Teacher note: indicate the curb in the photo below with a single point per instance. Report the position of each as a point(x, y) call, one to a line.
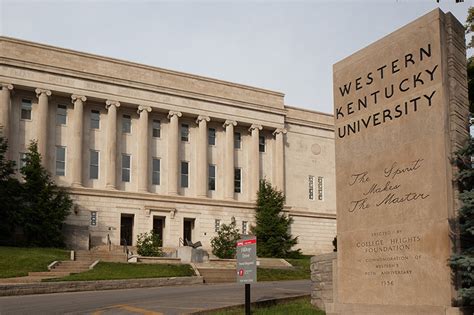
point(76, 286)
point(253, 305)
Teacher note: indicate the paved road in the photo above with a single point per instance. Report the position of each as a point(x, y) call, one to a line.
point(163, 300)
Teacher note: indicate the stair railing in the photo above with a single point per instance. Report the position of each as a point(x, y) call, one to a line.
point(109, 242)
point(181, 241)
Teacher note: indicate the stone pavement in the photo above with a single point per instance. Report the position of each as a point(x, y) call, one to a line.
point(162, 300)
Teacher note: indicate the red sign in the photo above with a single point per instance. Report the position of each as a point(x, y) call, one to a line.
point(247, 242)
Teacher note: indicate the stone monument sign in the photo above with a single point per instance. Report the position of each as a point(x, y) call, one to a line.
point(400, 109)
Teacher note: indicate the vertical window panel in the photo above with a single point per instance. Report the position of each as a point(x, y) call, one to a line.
point(94, 164)
point(261, 143)
point(60, 161)
point(237, 140)
point(95, 119)
point(237, 180)
point(155, 178)
point(26, 109)
point(184, 174)
point(212, 177)
point(211, 135)
point(156, 128)
point(185, 132)
point(61, 115)
point(126, 162)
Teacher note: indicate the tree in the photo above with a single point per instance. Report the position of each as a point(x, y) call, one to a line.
point(272, 225)
point(224, 244)
point(462, 262)
point(46, 205)
point(10, 201)
point(148, 244)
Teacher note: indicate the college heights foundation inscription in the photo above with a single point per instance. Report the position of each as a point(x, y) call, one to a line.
point(400, 108)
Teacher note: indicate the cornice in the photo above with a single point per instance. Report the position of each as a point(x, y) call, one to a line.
point(103, 79)
point(139, 65)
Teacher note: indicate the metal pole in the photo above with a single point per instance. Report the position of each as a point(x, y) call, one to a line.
point(247, 299)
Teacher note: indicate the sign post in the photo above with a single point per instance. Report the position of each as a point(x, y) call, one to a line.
point(247, 265)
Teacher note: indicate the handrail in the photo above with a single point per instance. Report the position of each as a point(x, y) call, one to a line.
point(125, 247)
point(109, 242)
point(181, 241)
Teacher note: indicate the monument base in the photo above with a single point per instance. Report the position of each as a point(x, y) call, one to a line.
point(359, 309)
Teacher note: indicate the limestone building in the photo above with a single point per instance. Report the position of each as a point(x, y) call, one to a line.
point(144, 148)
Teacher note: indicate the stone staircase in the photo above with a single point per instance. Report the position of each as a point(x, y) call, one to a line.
point(102, 254)
point(217, 270)
point(65, 268)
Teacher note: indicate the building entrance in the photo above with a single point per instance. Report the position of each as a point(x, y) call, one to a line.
point(126, 229)
point(188, 229)
point(158, 227)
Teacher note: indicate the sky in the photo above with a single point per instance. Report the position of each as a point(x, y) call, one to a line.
point(284, 46)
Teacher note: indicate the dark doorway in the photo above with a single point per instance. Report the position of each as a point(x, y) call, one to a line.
point(158, 226)
point(126, 229)
point(188, 229)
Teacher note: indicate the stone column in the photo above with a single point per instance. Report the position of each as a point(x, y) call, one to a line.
point(41, 124)
point(143, 151)
point(77, 133)
point(5, 110)
point(229, 159)
point(254, 161)
point(202, 165)
point(279, 159)
point(111, 154)
point(173, 152)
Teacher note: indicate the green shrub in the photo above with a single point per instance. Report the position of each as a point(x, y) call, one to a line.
point(224, 244)
point(148, 244)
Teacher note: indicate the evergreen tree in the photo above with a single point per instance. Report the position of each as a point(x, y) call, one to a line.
point(272, 225)
point(224, 244)
point(10, 200)
point(46, 204)
point(462, 262)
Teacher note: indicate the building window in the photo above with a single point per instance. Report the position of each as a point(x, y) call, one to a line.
point(184, 132)
point(156, 129)
point(126, 167)
point(95, 119)
point(155, 178)
point(126, 124)
point(60, 161)
point(94, 164)
point(237, 180)
point(311, 187)
point(211, 136)
point(25, 109)
point(261, 143)
point(212, 177)
point(320, 188)
point(61, 115)
point(184, 174)
point(217, 225)
point(22, 161)
point(237, 140)
point(244, 227)
point(93, 218)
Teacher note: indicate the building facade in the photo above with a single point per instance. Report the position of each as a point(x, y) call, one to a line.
point(144, 148)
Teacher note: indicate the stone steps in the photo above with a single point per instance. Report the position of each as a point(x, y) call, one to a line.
point(93, 255)
point(55, 274)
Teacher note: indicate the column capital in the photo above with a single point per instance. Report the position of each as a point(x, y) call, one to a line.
point(255, 126)
point(201, 118)
point(174, 113)
point(109, 103)
point(280, 130)
point(42, 91)
point(142, 108)
point(7, 86)
point(230, 122)
point(76, 97)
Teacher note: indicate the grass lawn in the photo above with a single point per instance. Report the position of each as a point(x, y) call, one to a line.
point(299, 307)
point(115, 271)
point(18, 261)
point(301, 271)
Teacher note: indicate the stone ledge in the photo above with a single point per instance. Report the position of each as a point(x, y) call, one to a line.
point(75, 286)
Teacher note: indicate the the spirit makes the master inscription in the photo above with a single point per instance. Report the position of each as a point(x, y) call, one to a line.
point(388, 192)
